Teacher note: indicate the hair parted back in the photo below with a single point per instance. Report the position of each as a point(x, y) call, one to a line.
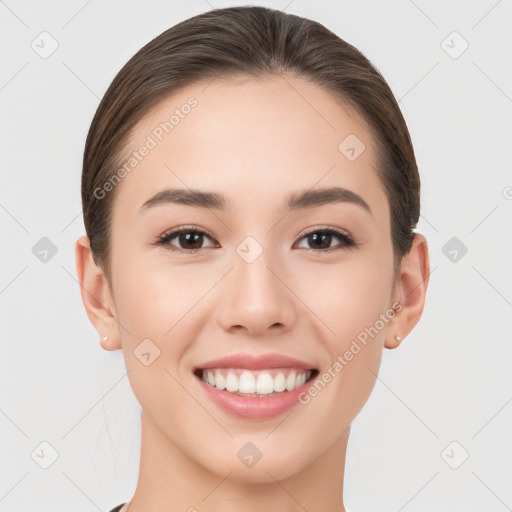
point(259, 42)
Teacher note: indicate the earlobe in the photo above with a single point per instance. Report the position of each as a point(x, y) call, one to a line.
point(395, 341)
point(413, 283)
point(105, 345)
point(96, 295)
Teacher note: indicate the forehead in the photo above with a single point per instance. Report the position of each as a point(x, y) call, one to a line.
point(250, 138)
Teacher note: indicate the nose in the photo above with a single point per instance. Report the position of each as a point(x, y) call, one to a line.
point(256, 298)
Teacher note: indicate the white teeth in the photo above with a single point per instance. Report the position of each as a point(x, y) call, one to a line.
point(264, 384)
point(247, 383)
point(290, 382)
point(231, 382)
point(220, 381)
point(279, 382)
point(260, 383)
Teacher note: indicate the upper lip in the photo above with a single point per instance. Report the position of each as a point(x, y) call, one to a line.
point(262, 362)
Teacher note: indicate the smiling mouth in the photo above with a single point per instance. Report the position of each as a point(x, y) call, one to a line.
point(256, 383)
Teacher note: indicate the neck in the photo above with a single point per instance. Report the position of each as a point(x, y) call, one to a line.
point(170, 480)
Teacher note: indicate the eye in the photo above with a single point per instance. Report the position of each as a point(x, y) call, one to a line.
point(189, 239)
point(321, 239)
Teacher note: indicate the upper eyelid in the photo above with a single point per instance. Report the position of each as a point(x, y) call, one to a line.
point(206, 232)
point(185, 229)
point(340, 232)
point(313, 229)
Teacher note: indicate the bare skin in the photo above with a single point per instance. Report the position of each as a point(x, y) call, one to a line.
point(255, 142)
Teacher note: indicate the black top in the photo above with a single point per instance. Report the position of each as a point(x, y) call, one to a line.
point(117, 509)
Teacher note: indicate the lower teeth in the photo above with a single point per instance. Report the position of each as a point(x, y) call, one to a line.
point(256, 395)
point(252, 395)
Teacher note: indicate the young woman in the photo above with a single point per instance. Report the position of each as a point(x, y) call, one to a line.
point(250, 194)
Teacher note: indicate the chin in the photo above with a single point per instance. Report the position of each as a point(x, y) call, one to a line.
point(272, 466)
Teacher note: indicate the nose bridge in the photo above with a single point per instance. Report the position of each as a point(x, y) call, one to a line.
point(256, 298)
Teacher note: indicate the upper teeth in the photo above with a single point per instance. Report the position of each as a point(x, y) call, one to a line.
point(261, 382)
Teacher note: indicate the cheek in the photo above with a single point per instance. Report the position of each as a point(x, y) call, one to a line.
point(357, 313)
point(357, 309)
point(347, 297)
point(153, 299)
point(155, 305)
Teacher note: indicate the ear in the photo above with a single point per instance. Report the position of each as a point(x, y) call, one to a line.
point(96, 295)
point(411, 290)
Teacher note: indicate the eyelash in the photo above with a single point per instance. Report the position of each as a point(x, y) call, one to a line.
point(348, 241)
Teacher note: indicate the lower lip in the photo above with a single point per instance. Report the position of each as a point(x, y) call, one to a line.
point(254, 408)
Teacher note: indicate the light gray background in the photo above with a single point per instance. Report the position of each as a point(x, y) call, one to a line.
point(450, 380)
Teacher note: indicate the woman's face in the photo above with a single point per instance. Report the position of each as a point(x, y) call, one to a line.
point(257, 281)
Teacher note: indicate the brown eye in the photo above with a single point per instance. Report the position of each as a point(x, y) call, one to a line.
point(187, 239)
point(321, 239)
point(191, 239)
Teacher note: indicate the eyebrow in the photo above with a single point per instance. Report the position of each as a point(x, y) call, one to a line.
point(295, 201)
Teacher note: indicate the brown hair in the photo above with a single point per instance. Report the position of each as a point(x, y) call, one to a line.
point(255, 41)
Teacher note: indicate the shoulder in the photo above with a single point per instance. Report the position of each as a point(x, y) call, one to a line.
point(118, 508)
